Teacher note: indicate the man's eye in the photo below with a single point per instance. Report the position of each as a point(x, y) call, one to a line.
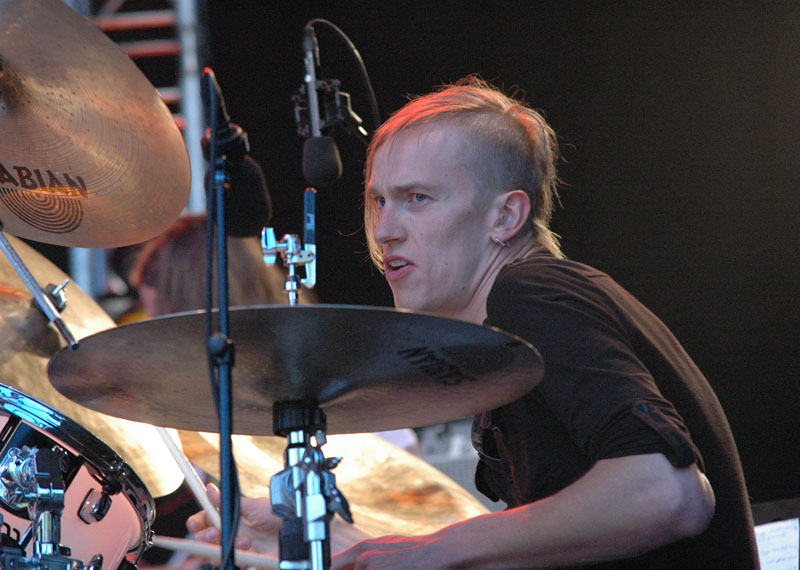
point(420, 197)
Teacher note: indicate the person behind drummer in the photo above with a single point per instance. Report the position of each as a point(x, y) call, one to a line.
point(621, 457)
point(169, 271)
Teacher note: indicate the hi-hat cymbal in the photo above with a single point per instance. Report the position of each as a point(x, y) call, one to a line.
point(90, 155)
point(390, 491)
point(27, 341)
point(368, 369)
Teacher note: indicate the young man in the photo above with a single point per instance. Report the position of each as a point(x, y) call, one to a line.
point(621, 457)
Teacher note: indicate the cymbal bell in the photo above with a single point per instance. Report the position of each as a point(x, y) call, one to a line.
point(27, 341)
point(389, 490)
point(369, 369)
point(90, 155)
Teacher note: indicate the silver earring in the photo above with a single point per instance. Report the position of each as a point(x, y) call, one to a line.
point(500, 242)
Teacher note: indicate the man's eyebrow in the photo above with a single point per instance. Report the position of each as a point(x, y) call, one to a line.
point(406, 187)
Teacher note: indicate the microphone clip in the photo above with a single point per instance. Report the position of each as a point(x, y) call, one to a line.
point(337, 111)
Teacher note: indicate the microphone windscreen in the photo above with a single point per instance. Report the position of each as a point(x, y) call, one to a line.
point(248, 207)
point(322, 165)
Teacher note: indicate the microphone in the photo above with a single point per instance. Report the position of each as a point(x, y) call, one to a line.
point(322, 165)
point(232, 141)
point(248, 206)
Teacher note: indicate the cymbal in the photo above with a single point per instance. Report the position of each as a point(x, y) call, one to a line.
point(90, 155)
point(369, 369)
point(389, 490)
point(27, 341)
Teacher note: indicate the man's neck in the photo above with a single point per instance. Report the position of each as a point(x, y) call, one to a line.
point(475, 311)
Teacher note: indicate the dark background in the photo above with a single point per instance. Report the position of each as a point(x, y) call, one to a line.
point(680, 130)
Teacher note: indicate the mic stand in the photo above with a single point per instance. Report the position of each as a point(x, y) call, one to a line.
point(220, 347)
point(50, 300)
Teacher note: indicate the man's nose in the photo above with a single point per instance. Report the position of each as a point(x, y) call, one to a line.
point(389, 227)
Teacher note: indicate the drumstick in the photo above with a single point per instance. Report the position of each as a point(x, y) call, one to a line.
point(211, 551)
point(192, 478)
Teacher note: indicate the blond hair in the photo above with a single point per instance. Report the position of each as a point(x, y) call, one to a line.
point(512, 147)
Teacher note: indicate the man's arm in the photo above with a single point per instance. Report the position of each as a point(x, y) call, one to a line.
point(621, 508)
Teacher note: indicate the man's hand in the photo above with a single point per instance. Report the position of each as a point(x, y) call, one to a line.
point(258, 527)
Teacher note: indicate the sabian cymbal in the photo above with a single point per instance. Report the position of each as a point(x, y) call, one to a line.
point(27, 341)
point(369, 369)
point(390, 491)
point(90, 155)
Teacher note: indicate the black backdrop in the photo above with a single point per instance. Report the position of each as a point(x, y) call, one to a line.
point(679, 126)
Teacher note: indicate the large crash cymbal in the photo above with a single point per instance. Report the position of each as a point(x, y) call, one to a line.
point(369, 369)
point(27, 341)
point(90, 155)
point(390, 491)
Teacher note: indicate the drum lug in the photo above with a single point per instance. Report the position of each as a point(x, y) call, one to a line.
point(148, 539)
point(96, 563)
point(94, 509)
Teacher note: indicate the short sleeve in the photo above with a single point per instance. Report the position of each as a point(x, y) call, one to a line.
point(595, 383)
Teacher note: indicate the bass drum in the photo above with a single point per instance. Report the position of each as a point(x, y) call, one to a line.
point(94, 476)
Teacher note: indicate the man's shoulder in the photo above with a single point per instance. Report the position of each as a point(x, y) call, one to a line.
point(542, 269)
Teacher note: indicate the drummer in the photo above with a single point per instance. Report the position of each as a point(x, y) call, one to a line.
point(621, 457)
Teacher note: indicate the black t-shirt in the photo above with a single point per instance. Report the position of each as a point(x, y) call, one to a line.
point(616, 383)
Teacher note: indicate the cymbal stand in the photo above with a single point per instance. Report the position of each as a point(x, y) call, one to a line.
point(50, 300)
point(304, 494)
point(32, 478)
point(292, 251)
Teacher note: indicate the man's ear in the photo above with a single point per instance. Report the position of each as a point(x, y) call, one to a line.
point(512, 211)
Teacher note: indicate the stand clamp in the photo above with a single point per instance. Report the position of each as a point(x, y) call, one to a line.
point(304, 494)
point(293, 255)
point(32, 478)
point(292, 250)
